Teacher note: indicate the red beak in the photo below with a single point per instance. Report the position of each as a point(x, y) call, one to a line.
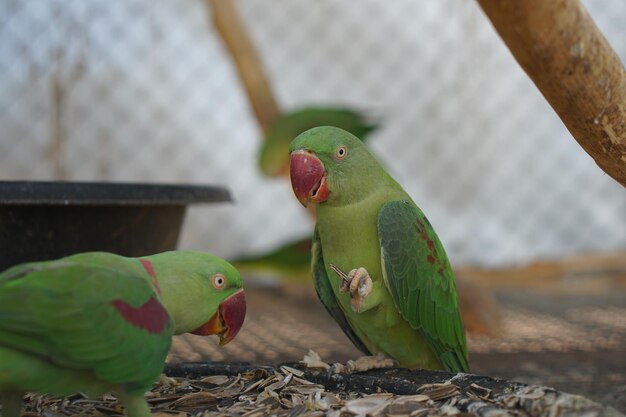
point(227, 320)
point(308, 177)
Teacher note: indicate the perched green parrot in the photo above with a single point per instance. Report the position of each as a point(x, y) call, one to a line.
point(98, 322)
point(273, 158)
point(398, 298)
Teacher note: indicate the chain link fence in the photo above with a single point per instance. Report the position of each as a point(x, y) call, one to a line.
point(143, 90)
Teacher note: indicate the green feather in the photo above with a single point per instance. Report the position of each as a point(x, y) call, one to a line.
point(290, 262)
point(327, 297)
point(430, 305)
point(66, 316)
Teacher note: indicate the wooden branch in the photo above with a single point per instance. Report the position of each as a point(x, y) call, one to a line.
point(564, 53)
point(230, 27)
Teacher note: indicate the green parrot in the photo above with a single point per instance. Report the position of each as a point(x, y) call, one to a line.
point(98, 322)
point(290, 262)
point(398, 298)
point(273, 159)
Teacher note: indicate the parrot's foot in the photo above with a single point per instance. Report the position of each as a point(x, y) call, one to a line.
point(136, 405)
point(358, 282)
point(364, 363)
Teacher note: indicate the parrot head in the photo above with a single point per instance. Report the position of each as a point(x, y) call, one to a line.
point(203, 293)
point(331, 166)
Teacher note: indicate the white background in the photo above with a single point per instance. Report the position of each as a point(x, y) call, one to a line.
point(148, 93)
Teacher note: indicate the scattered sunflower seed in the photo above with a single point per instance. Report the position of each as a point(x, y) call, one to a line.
point(196, 401)
point(287, 370)
point(480, 392)
point(286, 392)
point(216, 380)
point(368, 405)
point(438, 392)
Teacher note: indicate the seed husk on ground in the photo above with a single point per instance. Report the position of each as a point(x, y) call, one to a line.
point(289, 391)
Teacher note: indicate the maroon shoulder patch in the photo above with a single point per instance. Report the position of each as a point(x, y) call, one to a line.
point(151, 316)
point(432, 256)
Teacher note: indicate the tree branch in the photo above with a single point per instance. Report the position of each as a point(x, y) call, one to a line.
point(564, 53)
point(230, 27)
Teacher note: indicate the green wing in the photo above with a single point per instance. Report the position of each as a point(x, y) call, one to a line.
point(327, 296)
point(419, 277)
point(88, 318)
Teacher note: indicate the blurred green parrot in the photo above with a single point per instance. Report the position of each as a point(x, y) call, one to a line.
point(398, 297)
point(273, 158)
point(98, 322)
point(290, 262)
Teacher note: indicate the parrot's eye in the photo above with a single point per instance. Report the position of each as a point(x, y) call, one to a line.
point(341, 152)
point(218, 281)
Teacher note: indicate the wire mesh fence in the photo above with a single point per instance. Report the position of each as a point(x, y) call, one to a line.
point(145, 91)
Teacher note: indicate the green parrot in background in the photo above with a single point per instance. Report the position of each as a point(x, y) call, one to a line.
point(273, 158)
point(98, 322)
point(399, 297)
point(289, 262)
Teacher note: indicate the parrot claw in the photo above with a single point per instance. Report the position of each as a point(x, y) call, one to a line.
point(344, 287)
point(345, 279)
point(360, 287)
point(358, 282)
point(367, 363)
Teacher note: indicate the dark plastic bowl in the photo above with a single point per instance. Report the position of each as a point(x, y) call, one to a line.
point(48, 220)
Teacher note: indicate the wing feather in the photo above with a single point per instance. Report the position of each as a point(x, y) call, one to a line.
point(64, 312)
point(419, 278)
